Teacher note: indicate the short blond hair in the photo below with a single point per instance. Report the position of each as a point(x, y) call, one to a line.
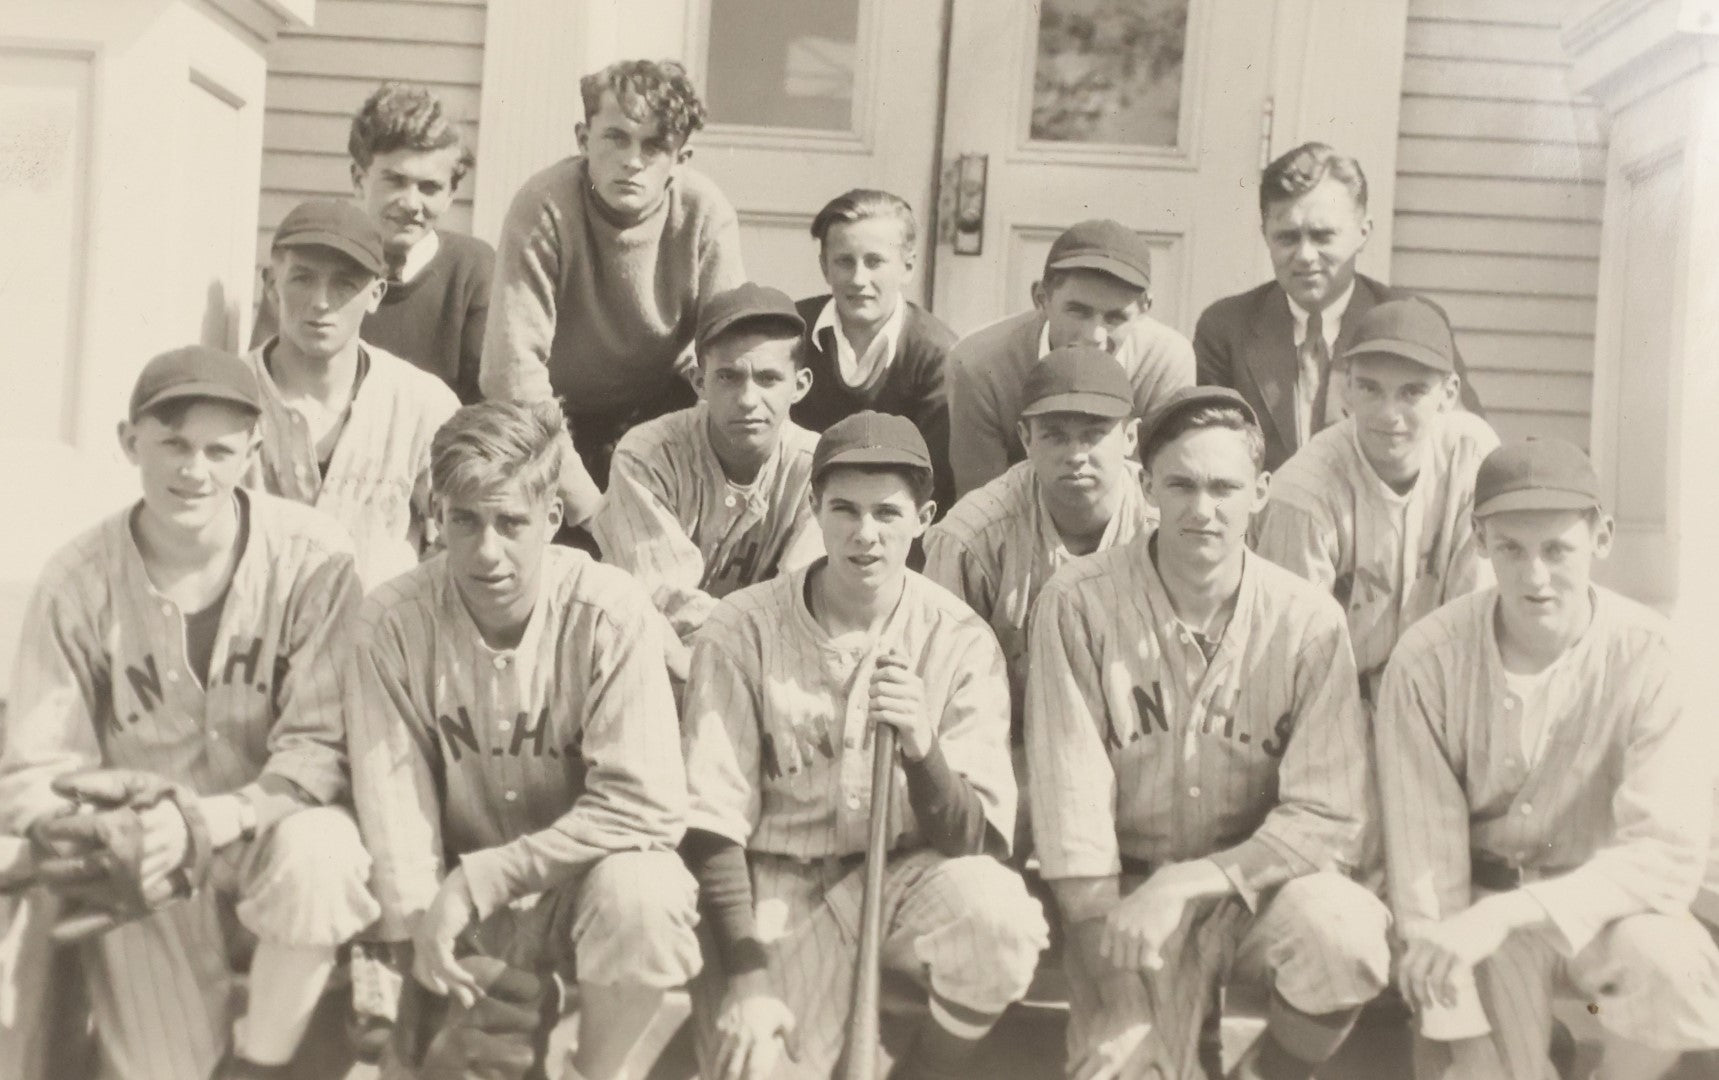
point(493, 443)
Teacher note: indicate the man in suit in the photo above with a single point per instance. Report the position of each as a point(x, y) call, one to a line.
point(1313, 214)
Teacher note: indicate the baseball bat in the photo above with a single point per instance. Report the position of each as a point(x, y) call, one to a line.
point(862, 1020)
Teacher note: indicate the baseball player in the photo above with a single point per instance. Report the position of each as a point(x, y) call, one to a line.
point(508, 750)
point(1197, 759)
point(183, 648)
point(709, 499)
point(1377, 508)
point(789, 678)
point(1544, 796)
point(346, 426)
point(1079, 491)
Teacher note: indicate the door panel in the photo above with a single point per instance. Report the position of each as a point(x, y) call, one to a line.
point(808, 100)
point(1145, 111)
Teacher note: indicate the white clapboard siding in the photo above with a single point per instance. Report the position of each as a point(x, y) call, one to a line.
point(318, 78)
point(1500, 184)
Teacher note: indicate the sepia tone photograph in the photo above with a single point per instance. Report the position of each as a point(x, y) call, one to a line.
point(859, 539)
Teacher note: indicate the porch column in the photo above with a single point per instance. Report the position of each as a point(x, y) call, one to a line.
point(1654, 67)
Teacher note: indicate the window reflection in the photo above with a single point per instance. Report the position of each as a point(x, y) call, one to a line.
point(786, 65)
point(1109, 71)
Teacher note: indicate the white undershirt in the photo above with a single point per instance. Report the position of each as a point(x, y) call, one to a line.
point(419, 255)
point(1331, 316)
point(1530, 703)
point(857, 371)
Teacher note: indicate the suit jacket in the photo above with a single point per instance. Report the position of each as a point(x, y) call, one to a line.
point(1247, 343)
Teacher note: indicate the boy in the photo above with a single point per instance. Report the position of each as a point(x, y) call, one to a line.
point(604, 262)
point(346, 426)
point(1378, 508)
point(1079, 491)
point(1197, 758)
point(1545, 796)
point(789, 679)
point(1095, 291)
point(184, 649)
point(714, 498)
point(507, 754)
point(407, 164)
point(868, 346)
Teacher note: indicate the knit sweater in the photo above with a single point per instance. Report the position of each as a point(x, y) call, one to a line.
point(910, 384)
point(436, 320)
point(595, 309)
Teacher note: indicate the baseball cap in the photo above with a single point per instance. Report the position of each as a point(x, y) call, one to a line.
point(1412, 329)
point(195, 371)
point(871, 438)
point(337, 224)
point(747, 303)
point(1537, 474)
point(1183, 400)
point(1079, 379)
point(1104, 245)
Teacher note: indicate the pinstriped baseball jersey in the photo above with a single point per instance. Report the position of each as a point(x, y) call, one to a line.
point(378, 477)
point(1389, 559)
point(777, 741)
point(1613, 813)
point(998, 547)
point(1137, 746)
point(102, 676)
point(526, 764)
point(673, 520)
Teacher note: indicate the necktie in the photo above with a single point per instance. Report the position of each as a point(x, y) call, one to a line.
point(1314, 363)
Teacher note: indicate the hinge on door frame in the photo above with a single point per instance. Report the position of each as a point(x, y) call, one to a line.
point(1267, 117)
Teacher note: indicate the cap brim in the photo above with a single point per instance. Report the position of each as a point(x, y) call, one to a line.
point(873, 455)
point(1537, 499)
point(1086, 404)
point(1408, 350)
point(786, 320)
point(337, 242)
point(1116, 268)
point(206, 391)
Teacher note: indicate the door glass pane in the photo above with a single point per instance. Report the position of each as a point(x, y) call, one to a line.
point(1109, 71)
point(788, 65)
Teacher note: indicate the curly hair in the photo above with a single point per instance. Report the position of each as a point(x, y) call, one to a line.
point(405, 116)
point(864, 204)
point(491, 443)
point(647, 89)
point(1300, 171)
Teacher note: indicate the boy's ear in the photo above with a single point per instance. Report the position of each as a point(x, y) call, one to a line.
point(357, 178)
point(1040, 298)
point(802, 382)
point(127, 440)
point(581, 133)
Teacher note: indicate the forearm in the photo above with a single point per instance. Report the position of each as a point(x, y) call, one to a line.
point(947, 806)
point(725, 899)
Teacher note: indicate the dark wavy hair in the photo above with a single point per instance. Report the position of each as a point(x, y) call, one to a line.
point(658, 89)
point(405, 116)
point(1300, 171)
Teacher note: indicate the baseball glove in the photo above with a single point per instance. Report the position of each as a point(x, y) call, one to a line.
point(501, 1037)
point(94, 856)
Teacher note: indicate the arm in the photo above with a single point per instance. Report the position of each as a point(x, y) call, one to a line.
point(1298, 540)
point(978, 443)
point(1424, 808)
point(968, 780)
point(635, 794)
point(307, 744)
point(720, 737)
point(1325, 780)
point(930, 414)
point(49, 730)
point(952, 564)
point(393, 779)
point(1159, 362)
point(639, 531)
point(1655, 856)
point(472, 331)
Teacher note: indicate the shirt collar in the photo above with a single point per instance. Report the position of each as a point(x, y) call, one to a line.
point(419, 256)
point(1044, 339)
point(1332, 316)
point(882, 347)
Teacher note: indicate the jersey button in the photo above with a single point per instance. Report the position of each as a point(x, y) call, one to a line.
point(504, 724)
point(1527, 808)
point(167, 609)
point(728, 502)
point(500, 663)
point(172, 676)
point(1194, 792)
point(853, 802)
point(511, 796)
point(1509, 703)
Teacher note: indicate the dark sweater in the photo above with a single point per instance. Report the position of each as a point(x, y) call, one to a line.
point(436, 320)
point(910, 385)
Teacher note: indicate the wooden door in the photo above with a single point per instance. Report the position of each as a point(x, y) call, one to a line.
point(1151, 112)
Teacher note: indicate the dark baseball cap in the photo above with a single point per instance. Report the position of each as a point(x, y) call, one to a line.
point(747, 304)
point(871, 438)
point(1536, 474)
point(1079, 379)
point(337, 224)
point(1412, 329)
point(1104, 245)
point(195, 371)
point(1183, 400)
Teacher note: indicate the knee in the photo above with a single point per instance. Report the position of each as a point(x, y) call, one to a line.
point(1346, 925)
point(989, 914)
point(1670, 959)
point(305, 881)
point(635, 921)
